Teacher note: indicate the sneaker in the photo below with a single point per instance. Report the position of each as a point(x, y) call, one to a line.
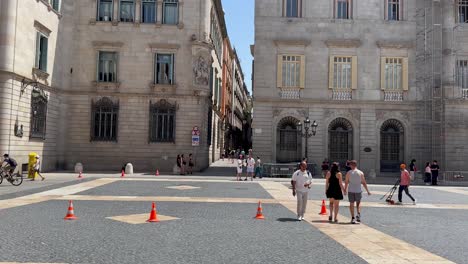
point(358, 218)
point(399, 203)
point(414, 202)
point(353, 221)
point(330, 218)
point(299, 218)
point(336, 221)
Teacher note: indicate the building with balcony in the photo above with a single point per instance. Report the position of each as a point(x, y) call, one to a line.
point(384, 80)
point(106, 82)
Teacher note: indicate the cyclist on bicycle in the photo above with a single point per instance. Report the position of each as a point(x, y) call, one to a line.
point(10, 162)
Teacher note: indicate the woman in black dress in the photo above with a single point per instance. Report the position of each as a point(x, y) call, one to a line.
point(334, 190)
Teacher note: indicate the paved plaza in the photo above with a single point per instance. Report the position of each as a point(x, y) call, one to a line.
point(209, 219)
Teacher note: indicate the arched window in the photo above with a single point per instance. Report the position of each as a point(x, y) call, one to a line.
point(340, 144)
point(38, 114)
point(288, 142)
point(391, 145)
point(162, 121)
point(104, 120)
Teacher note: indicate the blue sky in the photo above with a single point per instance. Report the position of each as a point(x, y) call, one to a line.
point(239, 16)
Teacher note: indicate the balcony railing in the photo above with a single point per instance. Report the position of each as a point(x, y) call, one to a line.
point(464, 93)
point(290, 93)
point(342, 95)
point(393, 96)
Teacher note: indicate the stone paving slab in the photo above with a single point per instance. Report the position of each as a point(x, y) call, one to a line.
point(442, 232)
point(159, 188)
point(205, 233)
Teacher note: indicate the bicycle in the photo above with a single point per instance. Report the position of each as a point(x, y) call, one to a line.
point(16, 179)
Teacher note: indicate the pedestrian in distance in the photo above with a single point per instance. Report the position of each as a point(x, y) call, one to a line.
point(325, 168)
point(37, 168)
point(354, 180)
point(258, 168)
point(413, 169)
point(240, 163)
point(301, 182)
point(347, 166)
point(179, 164)
point(250, 167)
point(334, 190)
point(405, 180)
point(435, 172)
point(190, 164)
point(427, 174)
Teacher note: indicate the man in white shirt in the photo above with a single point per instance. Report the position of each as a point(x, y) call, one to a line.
point(250, 167)
point(301, 181)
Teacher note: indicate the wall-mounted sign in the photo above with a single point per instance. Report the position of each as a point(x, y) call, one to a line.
point(367, 149)
point(195, 137)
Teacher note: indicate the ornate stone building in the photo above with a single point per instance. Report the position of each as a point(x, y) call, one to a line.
point(105, 82)
point(384, 79)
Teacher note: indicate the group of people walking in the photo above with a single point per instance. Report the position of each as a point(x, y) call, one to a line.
point(253, 167)
point(183, 166)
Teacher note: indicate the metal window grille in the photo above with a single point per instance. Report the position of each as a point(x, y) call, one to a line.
point(41, 52)
point(288, 140)
point(393, 73)
point(127, 10)
point(292, 8)
point(162, 121)
point(105, 10)
point(393, 10)
point(462, 74)
point(463, 11)
point(104, 120)
point(210, 127)
point(164, 69)
point(171, 12)
point(215, 34)
point(340, 140)
point(342, 75)
point(291, 71)
point(391, 145)
point(38, 114)
point(107, 69)
point(343, 9)
point(148, 11)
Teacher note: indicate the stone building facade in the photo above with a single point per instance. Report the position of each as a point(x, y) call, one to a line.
point(385, 81)
point(106, 82)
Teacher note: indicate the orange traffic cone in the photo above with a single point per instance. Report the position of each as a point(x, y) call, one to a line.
point(70, 214)
point(153, 215)
point(157, 172)
point(259, 211)
point(323, 211)
point(80, 175)
point(123, 174)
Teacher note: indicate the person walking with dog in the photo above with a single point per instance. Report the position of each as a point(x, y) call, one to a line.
point(334, 190)
point(301, 181)
point(354, 180)
point(405, 180)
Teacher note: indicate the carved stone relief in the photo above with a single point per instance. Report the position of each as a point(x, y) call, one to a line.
point(201, 71)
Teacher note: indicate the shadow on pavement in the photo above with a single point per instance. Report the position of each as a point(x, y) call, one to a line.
point(284, 220)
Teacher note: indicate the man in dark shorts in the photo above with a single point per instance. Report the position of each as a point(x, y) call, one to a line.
point(435, 172)
point(354, 179)
point(11, 163)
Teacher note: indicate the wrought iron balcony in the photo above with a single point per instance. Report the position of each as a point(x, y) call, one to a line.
point(464, 93)
point(342, 95)
point(393, 96)
point(290, 93)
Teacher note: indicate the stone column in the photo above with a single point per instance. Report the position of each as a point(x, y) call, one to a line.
point(181, 15)
point(7, 33)
point(368, 139)
point(115, 13)
point(159, 13)
point(137, 12)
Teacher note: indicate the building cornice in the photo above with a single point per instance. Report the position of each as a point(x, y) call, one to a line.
point(343, 43)
point(107, 44)
point(292, 42)
point(154, 46)
point(389, 44)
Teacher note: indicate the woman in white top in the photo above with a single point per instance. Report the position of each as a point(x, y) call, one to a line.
point(427, 174)
point(37, 168)
point(240, 163)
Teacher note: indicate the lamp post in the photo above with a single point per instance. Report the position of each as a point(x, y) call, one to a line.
point(309, 131)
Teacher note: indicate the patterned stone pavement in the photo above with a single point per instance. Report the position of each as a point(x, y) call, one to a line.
point(210, 220)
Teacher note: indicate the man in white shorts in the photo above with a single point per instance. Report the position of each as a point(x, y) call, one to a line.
point(250, 167)
point(354, 179)
point(240, 163)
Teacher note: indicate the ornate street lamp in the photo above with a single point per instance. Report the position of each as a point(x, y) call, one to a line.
point(309, 131)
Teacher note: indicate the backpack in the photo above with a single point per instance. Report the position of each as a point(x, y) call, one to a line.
point(12, 162)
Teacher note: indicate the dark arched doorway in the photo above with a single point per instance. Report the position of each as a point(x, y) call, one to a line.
point(340, 143)
point(391, 145)
point(288, 142)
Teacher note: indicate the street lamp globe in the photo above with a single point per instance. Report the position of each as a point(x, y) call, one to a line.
point(307, 123)
point(314, 127)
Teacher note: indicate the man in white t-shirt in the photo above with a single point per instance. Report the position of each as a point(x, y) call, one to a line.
point(240, 163)
point(301, 181)
point(250, 167)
